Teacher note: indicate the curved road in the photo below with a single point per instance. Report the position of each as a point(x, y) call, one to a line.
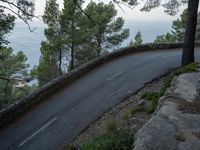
point(65, 114)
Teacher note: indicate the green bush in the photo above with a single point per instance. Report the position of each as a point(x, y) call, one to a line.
point(150, 96)
point(189, 68)
point(167, 84)
point(115, 140)
point(137, 109)
point(153, 97)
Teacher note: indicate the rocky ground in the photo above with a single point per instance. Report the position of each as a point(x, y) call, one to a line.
point(176, 123)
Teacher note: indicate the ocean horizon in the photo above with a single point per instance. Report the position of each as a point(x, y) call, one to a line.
point(29, 42)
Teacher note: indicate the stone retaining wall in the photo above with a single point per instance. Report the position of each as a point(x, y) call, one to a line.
point(18, 108)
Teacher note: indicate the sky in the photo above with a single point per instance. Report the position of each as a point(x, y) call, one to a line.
point(128, 14)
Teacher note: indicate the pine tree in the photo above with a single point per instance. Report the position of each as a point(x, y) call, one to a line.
point(165, 38)
point(105, 30)
point(6, 25)
point(138, 39)
point(70, 28)
point(11, 64)
point(178, 30)
point(52, 50)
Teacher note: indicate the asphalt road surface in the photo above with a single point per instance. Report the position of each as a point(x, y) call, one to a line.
point(64, 115)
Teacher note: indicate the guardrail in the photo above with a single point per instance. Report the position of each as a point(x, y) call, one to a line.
point(18, 108)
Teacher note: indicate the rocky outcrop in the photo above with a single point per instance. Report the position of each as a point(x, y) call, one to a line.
point(176, 123)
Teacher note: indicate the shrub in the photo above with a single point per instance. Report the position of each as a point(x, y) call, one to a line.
point(116, 140)
point(151, 96)
point(189, 68)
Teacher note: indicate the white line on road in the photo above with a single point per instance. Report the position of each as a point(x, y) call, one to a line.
point(167, 55)
point(38, 131)
point(115, 75)
point(120, 92)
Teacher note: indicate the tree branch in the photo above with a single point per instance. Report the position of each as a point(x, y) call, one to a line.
point(27, 16)
point(88, 16)
point(17, 7)
point(3, 78)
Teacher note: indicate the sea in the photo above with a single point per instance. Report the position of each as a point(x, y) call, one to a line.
point(21, 39)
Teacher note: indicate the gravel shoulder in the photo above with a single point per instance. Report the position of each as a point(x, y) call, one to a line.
point(117, 114)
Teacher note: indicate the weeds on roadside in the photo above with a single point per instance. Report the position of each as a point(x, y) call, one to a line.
point(111, 126)
point(155, 96)
point(189, 68)
point(113, 139)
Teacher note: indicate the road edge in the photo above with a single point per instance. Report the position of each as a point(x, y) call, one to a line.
point(14, 111)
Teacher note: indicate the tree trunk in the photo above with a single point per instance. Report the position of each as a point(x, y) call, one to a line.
point(98, 50)
point(98, 46)
point(72, 56)
point(72, 46)
point(190, 32)
point(60, 61)
point(98, 37)
point(7, 88)
point(72, 43)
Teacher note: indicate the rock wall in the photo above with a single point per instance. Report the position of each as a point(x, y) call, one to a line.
point(18, 108)
point(176, 123)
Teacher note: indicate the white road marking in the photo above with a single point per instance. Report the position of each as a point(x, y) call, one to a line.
point(167, 55)
point(38, 131)
point(120, 92)
point(115, 75)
